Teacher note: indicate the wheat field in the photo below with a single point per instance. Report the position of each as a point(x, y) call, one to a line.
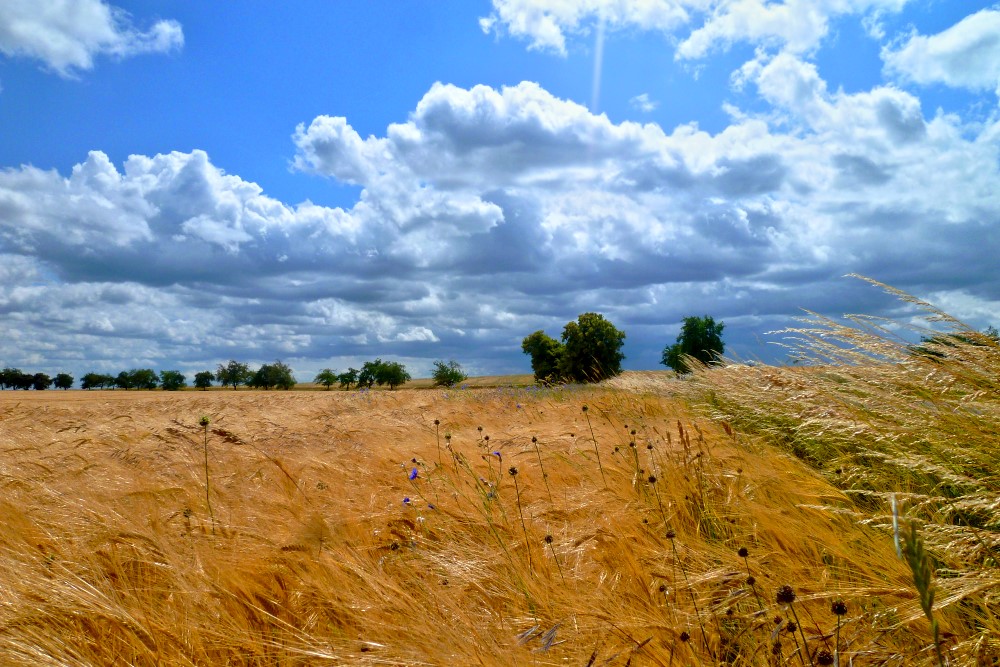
point(845, 511)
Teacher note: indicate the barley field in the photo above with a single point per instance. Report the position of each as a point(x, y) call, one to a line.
point(841, 512)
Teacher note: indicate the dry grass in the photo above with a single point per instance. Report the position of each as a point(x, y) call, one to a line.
point(109, 554)
point(887, 424)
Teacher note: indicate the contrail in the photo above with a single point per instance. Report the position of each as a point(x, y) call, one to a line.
point(595, 93)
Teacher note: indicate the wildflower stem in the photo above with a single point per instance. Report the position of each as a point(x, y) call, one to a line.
point(208, 488)
point(597, 449)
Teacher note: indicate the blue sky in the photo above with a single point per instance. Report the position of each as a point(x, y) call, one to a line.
point(184, 182)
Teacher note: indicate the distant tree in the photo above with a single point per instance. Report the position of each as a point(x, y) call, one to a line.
point(124, 380)
point(546, 353)
point(63, 381)
point(276, 375)
point(700, 338)
point(392, 373)
point(591, 349)
point(96, 381)
point(348, 377)
point(144, 378)
point(10, 378)
point(369, 372)
point(203, 379)
point(234, 374)
point(448, 374)
point(172, 380)
point(40, 381)
point(326, 377)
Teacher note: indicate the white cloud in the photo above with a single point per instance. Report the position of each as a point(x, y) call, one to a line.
point(966, 55)
point(797, 26)
point(66, 35)
point(546, 22)
point(643, 103)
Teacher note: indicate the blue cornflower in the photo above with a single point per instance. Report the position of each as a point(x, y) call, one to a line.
point(497, 454)
point(414, 473)
point(406, 500)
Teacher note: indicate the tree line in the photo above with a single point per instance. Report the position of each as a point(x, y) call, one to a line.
point(589, 351)
point(15, 378)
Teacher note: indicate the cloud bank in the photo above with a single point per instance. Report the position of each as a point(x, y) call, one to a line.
point(489, 213)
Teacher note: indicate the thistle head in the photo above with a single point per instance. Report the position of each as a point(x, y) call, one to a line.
point(824, 657)
point(839, 607)
point(203, 422)
point(743, 553)
point(513, 471)
point(785, 595)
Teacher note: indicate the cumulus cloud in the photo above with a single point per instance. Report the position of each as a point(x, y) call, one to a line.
point(488, 213)
point(702, 26)
point(67, 35)
point(966, 55)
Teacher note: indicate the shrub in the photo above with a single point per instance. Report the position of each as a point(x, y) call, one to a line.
point(448, 374)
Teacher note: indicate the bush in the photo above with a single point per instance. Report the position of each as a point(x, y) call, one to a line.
point(591, 349)
point(546, 353)
point(448, 374)
point(326, 377)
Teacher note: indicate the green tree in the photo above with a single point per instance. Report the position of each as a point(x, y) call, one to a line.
point(96, 381)
point(172, 380)
point(40, 381)
point(348, 377)
point(10, 378)
point(392, 373)
point(63, 381)
point(368, 375)
point(591, 349)
point(234, 373)
point(546, 354)
point(277, 375)
point(203, 379)
point(326, 377)
point(144, 378)
point(448, 374)
point(700, 338)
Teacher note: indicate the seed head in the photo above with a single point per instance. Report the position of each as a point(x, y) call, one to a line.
point(447, 436)
point(684, 636)
point(663, 588)
point(632, 432)
point(652, 479)
point(204, 420)
point(792, 627)
point(751, 581)
point(584, 408)
point(839, 607)
point(671, 534)
point(632, 444)
point(534, 439)
point(548, 539)
point(649, 445)
point(785, 595)
point(437, 421)
point(513, 471)
point(479, 428)
point(824, 657)
point(486, 438)
point(743, 553)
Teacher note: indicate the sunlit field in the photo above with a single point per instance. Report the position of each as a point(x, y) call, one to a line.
point(743, 516)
